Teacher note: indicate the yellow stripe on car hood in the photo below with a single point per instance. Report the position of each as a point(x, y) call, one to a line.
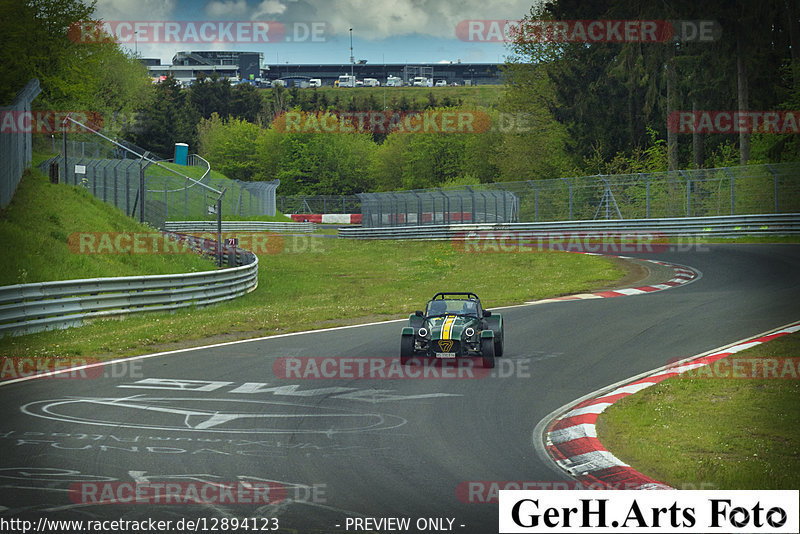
point(447, 327)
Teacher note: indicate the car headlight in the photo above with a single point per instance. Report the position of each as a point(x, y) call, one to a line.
point(422, 332)
point(469, 332)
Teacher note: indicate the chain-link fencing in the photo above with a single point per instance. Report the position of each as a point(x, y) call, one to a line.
point(319, 204)
point(749, 189)
point(15, 140)
point(115, 176)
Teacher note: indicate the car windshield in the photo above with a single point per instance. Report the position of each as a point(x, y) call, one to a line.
point(452, 307)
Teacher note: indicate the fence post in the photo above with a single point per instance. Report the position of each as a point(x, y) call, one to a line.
point(733, 190)
point(116, 185)
point(142, 192)
point(688, 193)
point(569, 185)
point(219, 228)
point(128, 190)
point(64, 135)
point(775, 181)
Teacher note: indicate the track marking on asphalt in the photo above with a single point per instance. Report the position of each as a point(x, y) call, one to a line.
point(209, 420)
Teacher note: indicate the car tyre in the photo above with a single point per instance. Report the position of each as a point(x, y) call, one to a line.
point(487, 352)
point(499, 345)
point(406, 349)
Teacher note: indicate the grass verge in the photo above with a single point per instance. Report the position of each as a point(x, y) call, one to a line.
point(35, 227)
point(723, 433)
point(317, 282)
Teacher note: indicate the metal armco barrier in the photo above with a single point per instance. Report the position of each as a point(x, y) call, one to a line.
point(190, 227)
point(28, 308)
point(723, 226)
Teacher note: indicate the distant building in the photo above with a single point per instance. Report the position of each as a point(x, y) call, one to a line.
point(460, 73)
point(187, 66)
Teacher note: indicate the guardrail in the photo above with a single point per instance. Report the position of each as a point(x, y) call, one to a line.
point(189, 227)
point(28, 308)
point(721, 226)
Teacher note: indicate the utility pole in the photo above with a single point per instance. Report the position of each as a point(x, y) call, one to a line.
point(352, 59)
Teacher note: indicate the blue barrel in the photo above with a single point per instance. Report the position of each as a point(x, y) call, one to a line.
point(181, 153)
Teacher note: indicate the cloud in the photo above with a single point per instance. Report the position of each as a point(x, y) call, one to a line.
point(135, 9)
point(267, 9)
point(378, 19)
point(227, 9)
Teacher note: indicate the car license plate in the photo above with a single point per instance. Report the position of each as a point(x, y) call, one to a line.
point(445, 354)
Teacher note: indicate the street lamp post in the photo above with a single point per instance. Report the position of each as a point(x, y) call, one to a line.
point(352, 60)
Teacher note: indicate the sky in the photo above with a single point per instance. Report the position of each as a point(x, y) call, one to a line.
point(318, 31)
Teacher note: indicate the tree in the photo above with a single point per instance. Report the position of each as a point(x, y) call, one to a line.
point(168, 119)
point(246, 102)
point(79, 68)
point(211, 94)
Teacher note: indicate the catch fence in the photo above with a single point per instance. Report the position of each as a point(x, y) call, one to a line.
point(16, 149)
point(114, 177)
point(744, 190)
point(321, 204)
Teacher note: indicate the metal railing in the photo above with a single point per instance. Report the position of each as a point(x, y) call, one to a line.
point(28, 308)
point(190, 227)
point(723, 226)
point(16, 149)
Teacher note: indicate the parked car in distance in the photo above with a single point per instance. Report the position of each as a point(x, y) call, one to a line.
point(346, 80)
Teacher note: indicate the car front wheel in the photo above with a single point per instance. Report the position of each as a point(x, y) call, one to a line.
point(406, 349)
point(487, 352)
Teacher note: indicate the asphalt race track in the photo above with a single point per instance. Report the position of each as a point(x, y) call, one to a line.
point(351, 447)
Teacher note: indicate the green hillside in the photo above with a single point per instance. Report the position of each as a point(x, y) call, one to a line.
point(36, 226)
